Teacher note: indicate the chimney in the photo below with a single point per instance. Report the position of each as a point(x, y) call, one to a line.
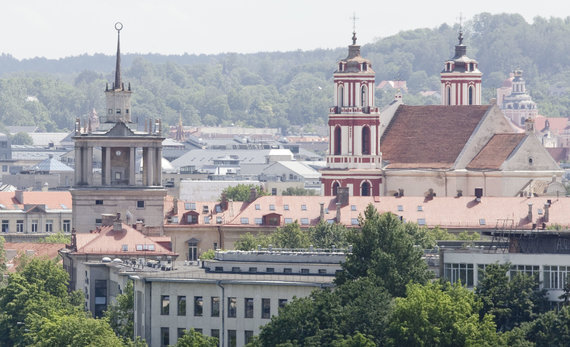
point(252, 194)
point(400, 192)
point(546, 212)
point(107, 219)
point(117, 226)
point(224, 202)
point(529, 215)
point(478, 194)
point(175, 206)
point(19, 195)
point(342, 196)
point(338, 212)
point(322, 215)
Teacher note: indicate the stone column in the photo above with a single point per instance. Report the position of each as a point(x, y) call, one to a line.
point(158, 167)
point(106, 165)
point(78, 166)
point(150, 166)
point(132, 168)
point(89, 165)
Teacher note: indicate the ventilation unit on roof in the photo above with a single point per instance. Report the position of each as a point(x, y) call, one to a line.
point(478, 194)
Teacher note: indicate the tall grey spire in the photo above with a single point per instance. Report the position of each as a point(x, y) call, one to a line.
point(118, 27)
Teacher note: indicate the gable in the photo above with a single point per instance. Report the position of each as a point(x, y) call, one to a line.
point(530, 155)
point(429, 136)
point(120, 130)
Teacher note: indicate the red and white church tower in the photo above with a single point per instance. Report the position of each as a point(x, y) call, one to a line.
point(354, 160)
point(461, 78)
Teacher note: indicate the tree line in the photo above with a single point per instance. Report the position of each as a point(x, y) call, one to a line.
point(287, 90)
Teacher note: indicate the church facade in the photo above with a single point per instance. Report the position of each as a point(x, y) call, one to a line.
point(458, 148)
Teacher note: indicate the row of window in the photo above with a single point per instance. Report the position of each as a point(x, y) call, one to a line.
point(34, 226)
point(140, 203)
point(286, 270)
point(554, 276)
point(118, 111)
point(232, 335)
point(232, 312)
point(365, 140)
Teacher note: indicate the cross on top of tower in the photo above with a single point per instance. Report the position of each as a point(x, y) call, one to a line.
point(460, 37)
point(354, 18)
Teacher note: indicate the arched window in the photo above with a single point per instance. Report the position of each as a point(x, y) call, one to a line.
point(364, 96)
point(365, 140)
point(337, 140)
point(340, 96)
point(365, 189)
point(448, 95)
point(335, 188)
point(471, 95)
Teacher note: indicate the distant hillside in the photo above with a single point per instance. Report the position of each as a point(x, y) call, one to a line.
point(284, 89)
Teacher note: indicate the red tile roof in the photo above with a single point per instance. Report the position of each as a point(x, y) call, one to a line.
point(557, 124)
point(496, 151)
point(233, 209)
point(52, 200)
point(47, 250)
point(417, 134)
point(558, 154)
point(447, 212)
point(107, 241)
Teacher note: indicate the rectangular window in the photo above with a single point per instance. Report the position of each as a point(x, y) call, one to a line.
point(353, 207)
point(219, 220)
point(322, 271)
point(459, 272)
point(125, 247)
point(303, 207)
point(288, 220)
point(248, 302)
point(236, 269)
point(257, 207)
point(215, 333)
point(232, 307)
point(258, 221)
point(34, 225)
point(98, 221)
point(207, 220)
point(272, 207)
point(190, 206)
point(5, 225)
point(270, 270)
point(215, 306)
point(198, 306)
point(265, 308)
point(555, 277)
point(273, 191)
point(248, 336)
point(181, 332)
point(244, 220)
point(232, 338)
point(140, 204)
point(49, 226)
point(354, 221)
point(164, 337)
point(205, 209)
point(98, 202)
point(253, 269)
point(19, 226)
point(181, 305)
point(304, 221)
point(165, 305)
point(287, 270)
point(286, 207)
point(66, 226)
point(304, 271)
point(282, 303)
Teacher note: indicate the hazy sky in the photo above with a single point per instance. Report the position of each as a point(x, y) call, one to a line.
point(60, 28)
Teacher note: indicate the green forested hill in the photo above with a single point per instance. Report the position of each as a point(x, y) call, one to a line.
point(284, 89)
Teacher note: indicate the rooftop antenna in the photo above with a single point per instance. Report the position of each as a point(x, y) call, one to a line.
point(354, 18)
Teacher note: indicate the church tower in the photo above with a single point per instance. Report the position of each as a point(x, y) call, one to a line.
point(461, 78)
point(354, 160)
point(117, 190)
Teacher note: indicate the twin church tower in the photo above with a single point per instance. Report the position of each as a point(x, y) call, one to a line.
point(354, 160)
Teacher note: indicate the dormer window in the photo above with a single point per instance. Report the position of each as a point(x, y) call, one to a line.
point(364, 67)
point(340, 67)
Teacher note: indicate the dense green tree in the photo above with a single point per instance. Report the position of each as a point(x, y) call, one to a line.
point(121, 314)
point(59, 237)
point(327, 235)
point(326, 318)
point(64, 329)
point(2, 258)
point(438, 314)
point(241, 192)
point(289, 236)
point(22, 139)
point(511, 302)
point(192, 338)
point(384, 251)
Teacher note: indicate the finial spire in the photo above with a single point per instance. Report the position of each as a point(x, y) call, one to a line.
point(118, 84)
point(354, 18)
point(460, 37)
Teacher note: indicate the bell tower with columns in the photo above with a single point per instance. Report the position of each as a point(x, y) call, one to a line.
point(119, 188)
point(354, 160)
